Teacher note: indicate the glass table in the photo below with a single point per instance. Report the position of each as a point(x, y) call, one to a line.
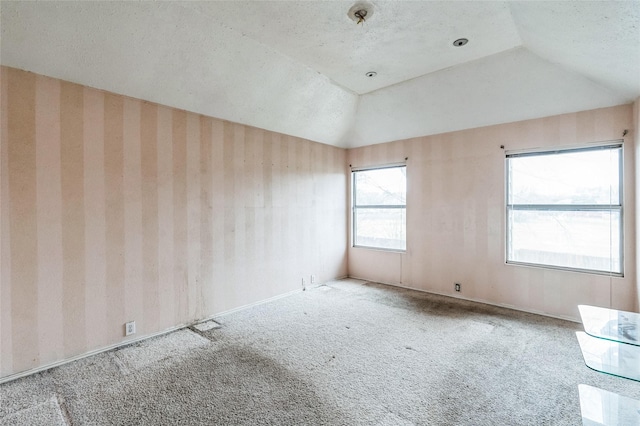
point(611, 324)
point(609, 345)
point(602, 408)
point(607, 356)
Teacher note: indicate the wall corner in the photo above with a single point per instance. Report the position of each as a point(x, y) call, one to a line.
point(635, 135)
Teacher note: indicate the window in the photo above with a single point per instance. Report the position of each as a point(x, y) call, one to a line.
point(379, 208)
point(564, 209)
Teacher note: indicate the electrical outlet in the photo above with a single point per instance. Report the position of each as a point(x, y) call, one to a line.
point(313, 279)
point(130, 328)
point(457, 286)
point(304, 285)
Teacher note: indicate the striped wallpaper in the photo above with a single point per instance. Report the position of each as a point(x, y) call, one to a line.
point(115, 209)
point(456, 216)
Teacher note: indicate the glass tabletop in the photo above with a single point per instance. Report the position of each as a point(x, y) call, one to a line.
point(610, 357)
point(603, 408)
point(611, 324)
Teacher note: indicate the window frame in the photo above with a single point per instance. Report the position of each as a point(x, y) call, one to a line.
point(611, 145)
point(355, 206)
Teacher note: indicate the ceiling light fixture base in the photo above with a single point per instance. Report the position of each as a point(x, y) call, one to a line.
point(360, 12)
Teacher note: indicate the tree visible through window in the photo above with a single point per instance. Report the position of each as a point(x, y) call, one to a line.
point(379, 208)
point(564, 209)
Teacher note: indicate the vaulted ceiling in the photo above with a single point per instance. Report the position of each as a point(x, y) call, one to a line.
point(299, 67)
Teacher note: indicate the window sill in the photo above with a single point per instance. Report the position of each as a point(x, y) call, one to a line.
point(567, 269)
point(380, 249)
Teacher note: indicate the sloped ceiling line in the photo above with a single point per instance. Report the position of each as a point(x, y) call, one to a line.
point(298, 67)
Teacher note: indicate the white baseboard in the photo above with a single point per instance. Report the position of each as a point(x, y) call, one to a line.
point(88, 354)
point(251, 305)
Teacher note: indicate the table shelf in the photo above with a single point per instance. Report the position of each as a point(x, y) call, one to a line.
point(611, 324)
point(602, 408)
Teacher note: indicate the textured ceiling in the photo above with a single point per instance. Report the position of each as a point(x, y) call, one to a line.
point(402, 40)
point(298, 67)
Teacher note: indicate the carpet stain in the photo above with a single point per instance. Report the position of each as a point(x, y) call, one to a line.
point(237, 386)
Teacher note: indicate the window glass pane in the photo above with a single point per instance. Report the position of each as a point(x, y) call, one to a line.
point(582, 177)
point(572, 239)
point(381, 228)
point(381, 186)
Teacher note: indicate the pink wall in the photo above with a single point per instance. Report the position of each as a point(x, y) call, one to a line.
point(456, 216)
point(635, 135)
point(113, 209)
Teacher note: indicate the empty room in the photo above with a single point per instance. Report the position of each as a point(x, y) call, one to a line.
point(319, 213)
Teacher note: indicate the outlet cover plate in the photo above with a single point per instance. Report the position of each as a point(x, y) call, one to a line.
point(130, 328)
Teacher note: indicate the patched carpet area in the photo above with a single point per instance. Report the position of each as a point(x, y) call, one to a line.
point(346, 353)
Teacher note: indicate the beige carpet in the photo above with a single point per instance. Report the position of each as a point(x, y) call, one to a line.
point(347, 353)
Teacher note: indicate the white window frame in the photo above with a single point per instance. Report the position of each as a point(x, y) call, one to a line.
point(355, 206)
point(616, 145)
